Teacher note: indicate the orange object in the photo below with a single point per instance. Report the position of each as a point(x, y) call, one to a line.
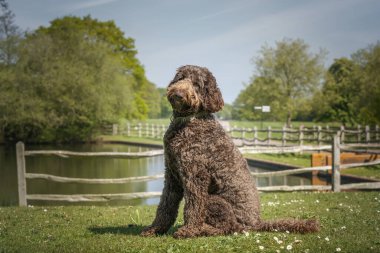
point(324, 159)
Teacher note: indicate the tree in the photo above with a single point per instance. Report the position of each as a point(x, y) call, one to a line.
point(259, 92)
point(351, 91)
point(294, 73)
point(369, 103)
point(10, 35)
point(65, 93)
point(70, 79)
point(146, 96)
point(225, 113)
point(338, 98)
point(65, 88)
point(166, 108)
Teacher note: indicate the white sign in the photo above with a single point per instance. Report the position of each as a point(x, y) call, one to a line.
point(266, 108)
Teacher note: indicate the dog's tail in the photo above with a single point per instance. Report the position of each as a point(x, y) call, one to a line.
point(291, 225)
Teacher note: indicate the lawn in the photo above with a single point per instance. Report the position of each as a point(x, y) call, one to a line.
point(350, 223)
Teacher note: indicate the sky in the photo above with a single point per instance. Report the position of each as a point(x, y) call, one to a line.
point(222, 35)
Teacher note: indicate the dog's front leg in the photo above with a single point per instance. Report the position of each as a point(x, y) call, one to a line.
point(167, 210)
point(196, 181)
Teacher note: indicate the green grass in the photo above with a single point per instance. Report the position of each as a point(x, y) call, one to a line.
point(350, 221)
point(372, 172)
point(296, 159)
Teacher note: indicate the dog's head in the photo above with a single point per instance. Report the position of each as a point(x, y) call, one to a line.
point(194, 90)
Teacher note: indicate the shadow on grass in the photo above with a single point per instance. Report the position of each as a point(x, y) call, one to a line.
point(130, 229)
point(125, 230)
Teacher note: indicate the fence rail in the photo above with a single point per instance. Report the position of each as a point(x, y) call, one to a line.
point(268, 136)
point(336, 167)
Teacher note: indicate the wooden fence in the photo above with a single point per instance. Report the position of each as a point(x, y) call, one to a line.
point(265, 137)
point(22, 175)
point(336, 167)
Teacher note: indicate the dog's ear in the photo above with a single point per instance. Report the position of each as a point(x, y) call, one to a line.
point(212, 99)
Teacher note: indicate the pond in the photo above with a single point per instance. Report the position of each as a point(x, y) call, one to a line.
point(93, 167)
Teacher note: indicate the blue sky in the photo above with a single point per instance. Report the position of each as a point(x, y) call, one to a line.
point(222, 35)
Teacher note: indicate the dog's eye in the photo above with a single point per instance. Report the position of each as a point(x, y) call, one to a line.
point(198, 86)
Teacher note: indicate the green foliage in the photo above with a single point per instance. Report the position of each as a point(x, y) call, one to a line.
point(369, 102)
point(286, 76)
point(261, 91)
point(65, 92)
point(140, 108)
point(123, 48)
point(338, 97)
point(351, 91)
point(71, 78)
point(166, 108)
point(225, 113)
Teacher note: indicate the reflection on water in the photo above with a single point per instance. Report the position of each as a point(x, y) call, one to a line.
point(93, 167)
point(280, 180)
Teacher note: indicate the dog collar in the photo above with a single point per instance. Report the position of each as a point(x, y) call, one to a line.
point(189, 118)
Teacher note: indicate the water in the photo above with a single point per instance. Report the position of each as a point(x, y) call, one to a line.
point(93, 167)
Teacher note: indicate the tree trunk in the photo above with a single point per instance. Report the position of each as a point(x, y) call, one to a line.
point(289, 120)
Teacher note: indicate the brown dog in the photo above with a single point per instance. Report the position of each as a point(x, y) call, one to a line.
point(204, 166)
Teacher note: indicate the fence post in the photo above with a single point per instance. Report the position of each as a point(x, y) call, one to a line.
point(301, 135)
point(128, 129)
point(114, 129)
point(139, 129)
point(146, 130)
point(367, 135)
point(342, 134)
point(20, 154)
point(269, 135)
point(377, 133)
point(359, 133)
point(163, 131)
point(319, 135)
point(284, 135)
point(255, 134)
point(336, 163)
point(153, 128)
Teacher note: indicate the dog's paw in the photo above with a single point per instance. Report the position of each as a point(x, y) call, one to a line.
point(186, 232)
point(149, 231)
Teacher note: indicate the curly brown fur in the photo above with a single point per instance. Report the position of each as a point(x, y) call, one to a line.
point(203, 166)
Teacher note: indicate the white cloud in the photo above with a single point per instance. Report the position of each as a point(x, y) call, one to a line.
point(89, 4)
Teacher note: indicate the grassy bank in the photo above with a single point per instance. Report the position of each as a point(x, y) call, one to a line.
point(296, 159)
point(304, 160)
point(350, 222)
point(138, 140)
